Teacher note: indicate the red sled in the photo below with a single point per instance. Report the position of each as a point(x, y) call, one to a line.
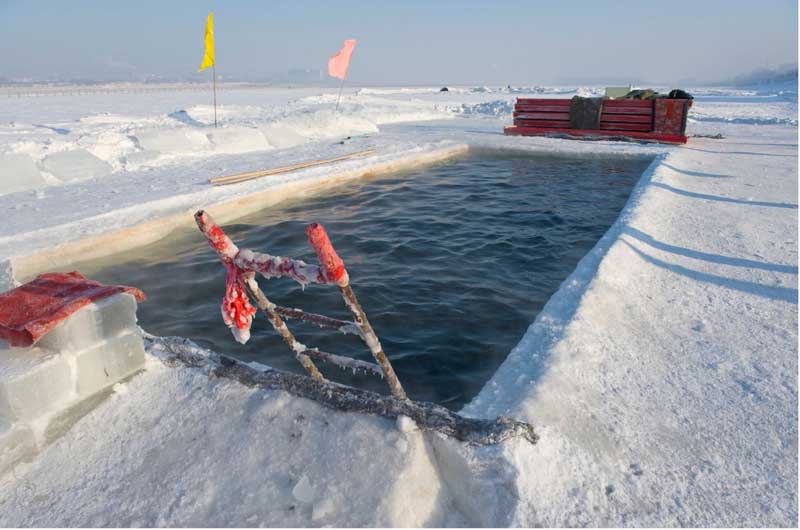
point(659, 120)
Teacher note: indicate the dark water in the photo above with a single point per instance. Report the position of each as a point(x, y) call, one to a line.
point(450, 262)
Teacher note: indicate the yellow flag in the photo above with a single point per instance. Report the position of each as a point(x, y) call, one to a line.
point(208, 58)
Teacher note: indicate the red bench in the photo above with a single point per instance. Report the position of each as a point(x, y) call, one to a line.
point(661, 119)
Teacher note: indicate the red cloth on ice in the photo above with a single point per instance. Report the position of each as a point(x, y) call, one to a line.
point(33, 309)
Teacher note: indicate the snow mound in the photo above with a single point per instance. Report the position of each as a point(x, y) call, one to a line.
point(75, 164)
point(18, 172)
point(746, 113)
point(326, 123)
point(400, 90)
point(93, 144)
point(238, 140)
point(522, 90)
point(378, 110)
point(590, 92)
point(281, 136)
point(179, 140)
point(498, 107)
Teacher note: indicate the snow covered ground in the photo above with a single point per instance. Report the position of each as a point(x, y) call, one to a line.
point(661, 377)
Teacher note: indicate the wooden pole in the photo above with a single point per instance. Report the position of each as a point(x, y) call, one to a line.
point(279, 325)
point(428, 416)
point(341, 86)
point(320, 320)
point(371, 339)
point(336, 273)
point(346, 363)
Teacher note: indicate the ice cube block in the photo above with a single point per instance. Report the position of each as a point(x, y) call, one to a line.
point(33, 382)
point(104, 319)
point(108, 362)
point(75, 164)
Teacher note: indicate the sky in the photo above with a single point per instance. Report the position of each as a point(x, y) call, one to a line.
point(407, 43)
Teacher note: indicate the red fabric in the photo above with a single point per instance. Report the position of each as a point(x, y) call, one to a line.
point(236, 307)
point(33, 309)
point(338, 64)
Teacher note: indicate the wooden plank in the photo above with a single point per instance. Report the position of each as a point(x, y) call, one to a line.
point(542, 123)
point(609, 103)
point(614, 103)
point(543, 101)
point(538, 105)
point(242, 177)
point(628, 110)
point(540, 108)
point(577, 133)
point(644, 127)
point(541, 115)
point(625, 118)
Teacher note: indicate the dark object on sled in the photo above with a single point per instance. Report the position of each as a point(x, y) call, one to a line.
point(659, 120)
point(648, 93)
point(584, 113)
point(679, 94)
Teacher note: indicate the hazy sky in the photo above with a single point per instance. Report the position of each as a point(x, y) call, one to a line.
point(408, 42)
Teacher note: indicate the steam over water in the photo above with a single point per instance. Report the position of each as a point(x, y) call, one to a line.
point(451, 263)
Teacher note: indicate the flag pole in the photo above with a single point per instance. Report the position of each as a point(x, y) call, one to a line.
point(214, 74)
point(341, 86)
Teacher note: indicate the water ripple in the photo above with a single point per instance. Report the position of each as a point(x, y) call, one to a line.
point(451, 262)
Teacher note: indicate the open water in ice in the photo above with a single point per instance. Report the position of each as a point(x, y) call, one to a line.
point(451, 262)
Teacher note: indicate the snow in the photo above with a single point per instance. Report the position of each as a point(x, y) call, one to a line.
point(670, 355)
point(75, 164)
point(746, 113)
point(19, 173)
point(294, 463)
point(661, 377)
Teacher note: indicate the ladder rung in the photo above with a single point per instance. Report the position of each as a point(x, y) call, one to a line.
point(344, 362)
point(320, 320)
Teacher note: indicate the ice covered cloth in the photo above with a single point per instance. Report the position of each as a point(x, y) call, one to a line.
point(33, 309)
point(241, 265)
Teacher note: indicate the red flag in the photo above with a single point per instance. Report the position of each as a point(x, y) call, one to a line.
point(337, 65)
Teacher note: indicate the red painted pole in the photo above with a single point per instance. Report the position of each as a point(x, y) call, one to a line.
point(335, 272)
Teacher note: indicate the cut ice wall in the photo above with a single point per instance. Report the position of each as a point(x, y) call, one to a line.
point(90, 351)
point(18, 172)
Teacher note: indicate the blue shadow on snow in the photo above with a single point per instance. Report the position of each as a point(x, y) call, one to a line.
point(719, 198)
point(783, 294)
point(705, 256)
